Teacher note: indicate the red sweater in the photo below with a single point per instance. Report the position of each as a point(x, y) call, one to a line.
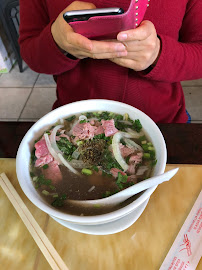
point(159, 93)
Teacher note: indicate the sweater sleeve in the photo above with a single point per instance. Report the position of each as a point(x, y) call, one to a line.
point(181, 60)
point(37, 46)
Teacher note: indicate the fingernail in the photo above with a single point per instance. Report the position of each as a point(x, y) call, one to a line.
point(120, 47)
point(122, 36)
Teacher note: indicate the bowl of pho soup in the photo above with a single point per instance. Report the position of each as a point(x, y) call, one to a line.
point(88, 150)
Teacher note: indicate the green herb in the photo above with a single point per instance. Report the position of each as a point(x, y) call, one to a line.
point(109, 161)
point(137, 125)
point(121, 125)
point(71, 118)
point(153, 163)
point(118, 117)
point(32, 174)
point(95, 168)
point(142, 138)
point(40, 180)
point(58, 202)
point(33, 157)
point(45, 166)
point(121, 180)
point(82, 121)
point(127, 159)
point(103, 137)
point(52, 187)
point(99, 136)
point(89, 114)
point(122, 141)
point(45, 192)
point(66, 147)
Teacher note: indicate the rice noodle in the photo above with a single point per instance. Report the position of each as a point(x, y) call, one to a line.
point(64, 161)
point(53, 138)
point(50, 148)
point(141, 170)
point(133, 144)
point(91, 189)
point(126, 122)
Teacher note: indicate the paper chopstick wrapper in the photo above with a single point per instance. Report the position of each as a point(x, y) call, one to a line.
point(186, 250)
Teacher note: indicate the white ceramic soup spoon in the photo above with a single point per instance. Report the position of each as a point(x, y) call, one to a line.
point(128, 192)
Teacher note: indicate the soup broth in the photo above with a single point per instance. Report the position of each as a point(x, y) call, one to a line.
point(90, 156)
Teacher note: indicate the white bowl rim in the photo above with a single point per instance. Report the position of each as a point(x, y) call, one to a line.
point(97, 218)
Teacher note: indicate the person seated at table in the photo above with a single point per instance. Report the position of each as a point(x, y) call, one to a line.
point(143, 67)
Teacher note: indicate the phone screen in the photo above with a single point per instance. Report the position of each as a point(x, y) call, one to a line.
point(84, 15)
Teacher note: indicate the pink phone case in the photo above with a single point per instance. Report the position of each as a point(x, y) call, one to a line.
point(107, 27)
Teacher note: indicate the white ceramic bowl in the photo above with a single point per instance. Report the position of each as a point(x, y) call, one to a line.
point(24, 153)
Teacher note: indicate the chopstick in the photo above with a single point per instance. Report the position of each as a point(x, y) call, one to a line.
point(33, 227)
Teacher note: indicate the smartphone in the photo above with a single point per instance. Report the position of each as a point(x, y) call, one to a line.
point(85, 14)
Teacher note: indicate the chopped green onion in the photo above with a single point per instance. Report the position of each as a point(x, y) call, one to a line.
point(146, 155)
point(143, 142)
point(151, 148)
point(86, 171)
point(45, 192)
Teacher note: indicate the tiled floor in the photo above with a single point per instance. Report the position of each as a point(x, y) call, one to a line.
point(29, 95)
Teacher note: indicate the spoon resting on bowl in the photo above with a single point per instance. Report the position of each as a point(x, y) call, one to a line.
point(128, 192)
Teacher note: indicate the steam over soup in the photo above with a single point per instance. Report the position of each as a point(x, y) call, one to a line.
point(90, 156)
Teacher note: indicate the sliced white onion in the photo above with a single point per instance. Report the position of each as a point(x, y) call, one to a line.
point(64, 161)
point(91, 189)
point(116, 150)
point(53, 138)
point(62, 121)
point(82, 117)
point(50, 148)
point(133, 144)
point(134, 134)
point(76, 154)
point(79, 164)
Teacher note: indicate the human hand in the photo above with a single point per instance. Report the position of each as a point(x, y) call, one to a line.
point(142, 45)
point(80, 46)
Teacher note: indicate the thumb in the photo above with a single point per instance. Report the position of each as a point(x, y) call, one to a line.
point(79, 5)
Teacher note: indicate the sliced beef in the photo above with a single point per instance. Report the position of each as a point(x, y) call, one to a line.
point(41, 148)
point(83, 131)
point(43, 160)
point(125, 151)
point(53, 172)
point(109, 127)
